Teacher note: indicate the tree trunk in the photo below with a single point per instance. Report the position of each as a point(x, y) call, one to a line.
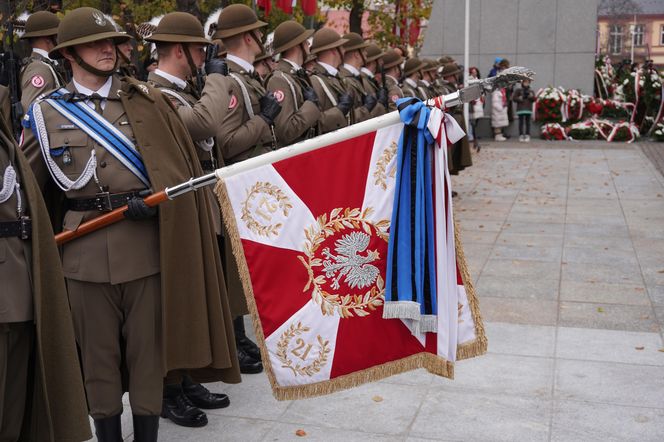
point(190, 6)
point(355, 19)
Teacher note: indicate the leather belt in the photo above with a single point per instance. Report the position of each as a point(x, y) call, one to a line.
point(21, 228)
point(103, 201)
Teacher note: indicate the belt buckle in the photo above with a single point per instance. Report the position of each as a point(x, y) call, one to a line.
point(24, 227)
point(103, 200)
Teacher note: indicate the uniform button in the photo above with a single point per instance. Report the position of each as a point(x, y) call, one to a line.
point(102, 164)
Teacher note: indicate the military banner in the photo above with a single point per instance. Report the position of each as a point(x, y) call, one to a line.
point(311, 235)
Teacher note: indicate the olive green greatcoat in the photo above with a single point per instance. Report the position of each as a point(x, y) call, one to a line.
point(56, 410)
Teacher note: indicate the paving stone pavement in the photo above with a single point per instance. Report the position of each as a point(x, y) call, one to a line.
point(566, 246)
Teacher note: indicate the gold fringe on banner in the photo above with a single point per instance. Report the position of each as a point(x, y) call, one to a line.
point(477, 346)
point(432, 363)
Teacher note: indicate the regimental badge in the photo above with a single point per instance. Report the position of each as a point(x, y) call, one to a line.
point(279, 95)
point(37, 81)
point(233, 102)
point(265, 209)
point(99, 18)
point(341, 258)
point(300, 356)
point(382, 173)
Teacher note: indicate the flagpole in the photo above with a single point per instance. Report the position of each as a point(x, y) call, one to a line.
point(466, 59)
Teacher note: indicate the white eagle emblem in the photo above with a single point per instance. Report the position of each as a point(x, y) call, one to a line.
point(356, 268)
point(100, 20)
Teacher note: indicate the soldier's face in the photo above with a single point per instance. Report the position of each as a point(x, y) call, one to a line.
point(98, 54)
point(197, 51)
point(125, 48)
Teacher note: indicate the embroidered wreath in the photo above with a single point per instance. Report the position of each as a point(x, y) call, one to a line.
point(306, 370)
point(348, 305)
point(282, 201)
point(584, 130)
point(381, 172)
point(552, 131)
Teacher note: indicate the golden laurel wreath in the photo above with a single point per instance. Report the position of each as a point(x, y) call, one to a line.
point(282, 201)
point(346, 305)
point(381, 173)
point(307, 370)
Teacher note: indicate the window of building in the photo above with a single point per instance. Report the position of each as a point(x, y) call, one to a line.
point(615, 39)
point(661, 36)
point(639, 33)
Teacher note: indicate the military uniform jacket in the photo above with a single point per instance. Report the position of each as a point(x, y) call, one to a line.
point(38, 76)
point(201, 118)
point(370, 85)
point(410, 89)
point(426, 89)
point(328, 88)
point(242, 135)
point(394, 92)
point(297, 116)
point(353, 84)
point(16, 299)
point(124, 251)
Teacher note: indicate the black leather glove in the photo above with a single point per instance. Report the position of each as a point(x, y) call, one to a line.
point(382, 96)
point(216, 66)
point(370, 102)
point(309, 94)
point(137, 209)
point(345, 103)
point(270, 108)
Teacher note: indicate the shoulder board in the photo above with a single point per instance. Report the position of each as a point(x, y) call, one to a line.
point(130, 85)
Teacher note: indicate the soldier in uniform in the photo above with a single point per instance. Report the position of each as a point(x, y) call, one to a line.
point(290, 85)
point(460, 156)
point(334, 101)
point(368, 77)
point(147, 294)
point(392, 70)
point(246, 131)
point(41, 392)
point(412, 71)
point(181, 45)
point(262, 67)
point(365, 104)
point(429, 75)
point(39, 73)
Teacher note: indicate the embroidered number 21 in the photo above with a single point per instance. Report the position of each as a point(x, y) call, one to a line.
point(297, 351)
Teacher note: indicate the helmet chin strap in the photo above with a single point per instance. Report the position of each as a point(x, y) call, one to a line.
point(257, 40)
point(79, 61)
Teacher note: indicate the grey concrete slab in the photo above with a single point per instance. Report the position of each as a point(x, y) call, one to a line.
point(519, 339)
point(534, 228)
point(287, 431)
point(608, 273)
point(585, 422)
point(536, 30)
point(597, 292)
point(219, 428)
point(419, 377)
point(519, 311)
point(610, 346)
point(252, 398)
point(656, 293)
point(521, 269)
point(502, 375)
point(605, 242)
point(484, 225)
point(527, 252)
point(475, 416)
point(608, 316)
point(482, 237)
point(610, 383)
point(510, 287)
point(535, 240)
point(600, 255)
point(390, 416)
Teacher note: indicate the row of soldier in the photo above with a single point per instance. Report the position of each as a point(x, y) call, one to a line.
point(155, 306)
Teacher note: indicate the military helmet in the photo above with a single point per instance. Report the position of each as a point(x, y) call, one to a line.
point(41, 24)
point(262, 56)
point(391, 58)
point(237, 19)
point(412, 65)
point(355, 42)
point(179, 27)
point(288, 35)
point(450, 69)
point(326, 38)
point(373, 52)
point(85, 25)
point(445, 59)
point(429, 65)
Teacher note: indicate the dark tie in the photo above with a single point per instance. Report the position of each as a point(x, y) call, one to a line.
point(96, 100)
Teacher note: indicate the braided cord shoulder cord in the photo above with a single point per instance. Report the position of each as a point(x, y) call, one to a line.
point(245, 94)
point(291, 86)
point(60, 178)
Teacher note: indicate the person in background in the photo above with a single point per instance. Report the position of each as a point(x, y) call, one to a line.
point(524, 98)
point(495, 68)
point(476, 111)
point(499, 118)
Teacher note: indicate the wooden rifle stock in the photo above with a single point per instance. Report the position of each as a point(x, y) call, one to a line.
point(105, 220)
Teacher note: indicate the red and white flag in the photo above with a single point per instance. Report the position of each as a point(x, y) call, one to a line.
point(311, 236)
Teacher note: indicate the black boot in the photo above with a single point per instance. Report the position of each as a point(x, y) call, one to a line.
point(202, 397)
point(178, 408)
point(248, 365)
point(241, 339)
point(146, 428)
point(109, 429)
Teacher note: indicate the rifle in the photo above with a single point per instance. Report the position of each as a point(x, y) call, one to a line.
point(11, 66)
point(508, 76)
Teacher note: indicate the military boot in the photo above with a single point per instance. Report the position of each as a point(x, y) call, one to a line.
point(146, 428)
point(109, 429)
